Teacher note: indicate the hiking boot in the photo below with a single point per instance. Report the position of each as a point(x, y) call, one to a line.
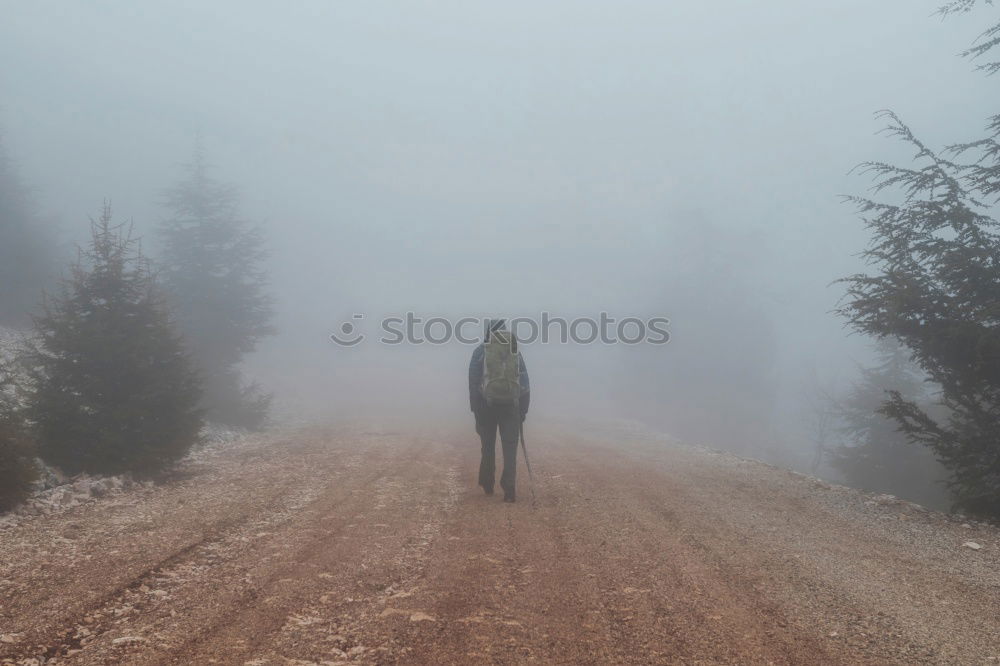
point(488, 490)
point(508, 497)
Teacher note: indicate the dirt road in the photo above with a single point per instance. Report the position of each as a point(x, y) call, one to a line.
point(346, 546)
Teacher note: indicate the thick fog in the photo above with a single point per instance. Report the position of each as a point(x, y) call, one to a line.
point(683, 160)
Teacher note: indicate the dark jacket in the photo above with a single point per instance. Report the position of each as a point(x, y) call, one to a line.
point(476, 400)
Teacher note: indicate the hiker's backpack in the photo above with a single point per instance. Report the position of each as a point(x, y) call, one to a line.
point(501, 369)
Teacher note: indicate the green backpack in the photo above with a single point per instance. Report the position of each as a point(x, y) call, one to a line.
point(501, 370)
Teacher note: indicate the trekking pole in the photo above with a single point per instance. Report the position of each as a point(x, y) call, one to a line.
point(531, 477)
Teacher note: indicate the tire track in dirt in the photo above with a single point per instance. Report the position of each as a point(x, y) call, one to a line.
point(87, 622)
point(130, 596)
point(54, 587)
point(507, 586)
point(332, 618)
point(238, 596)
point(295, 589)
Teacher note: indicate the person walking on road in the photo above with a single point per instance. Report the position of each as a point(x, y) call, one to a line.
point(499, 395)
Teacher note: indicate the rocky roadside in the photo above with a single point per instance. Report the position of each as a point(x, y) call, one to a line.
point(56, 492)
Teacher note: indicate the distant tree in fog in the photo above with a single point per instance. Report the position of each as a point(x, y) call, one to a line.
point(212, 267)
point(935, 252)
point(821, 426)
point(875, 455)
point(17, 461)
point(27, 248)
point(716, 381)
point(111, 389)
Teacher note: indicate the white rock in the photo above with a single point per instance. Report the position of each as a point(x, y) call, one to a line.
point(973, 545)
point(126, 640)
point(420, 616)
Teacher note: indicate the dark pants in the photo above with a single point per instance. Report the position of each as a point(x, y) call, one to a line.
point(508, 421)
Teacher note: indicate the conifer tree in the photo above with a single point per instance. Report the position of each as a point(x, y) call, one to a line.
point(211, 263)
point(17, 463)
point(875, 455)
point(112, 390)
point(935, 286)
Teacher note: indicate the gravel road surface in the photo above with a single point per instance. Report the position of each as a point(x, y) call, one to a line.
point(355, 546)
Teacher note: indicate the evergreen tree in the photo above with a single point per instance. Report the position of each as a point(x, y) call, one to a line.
point(821, 424)
point(936, 288)
point(212, 268)
point(111, 388)
point(876, 456)
point(17, 463)
point(27, 250)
